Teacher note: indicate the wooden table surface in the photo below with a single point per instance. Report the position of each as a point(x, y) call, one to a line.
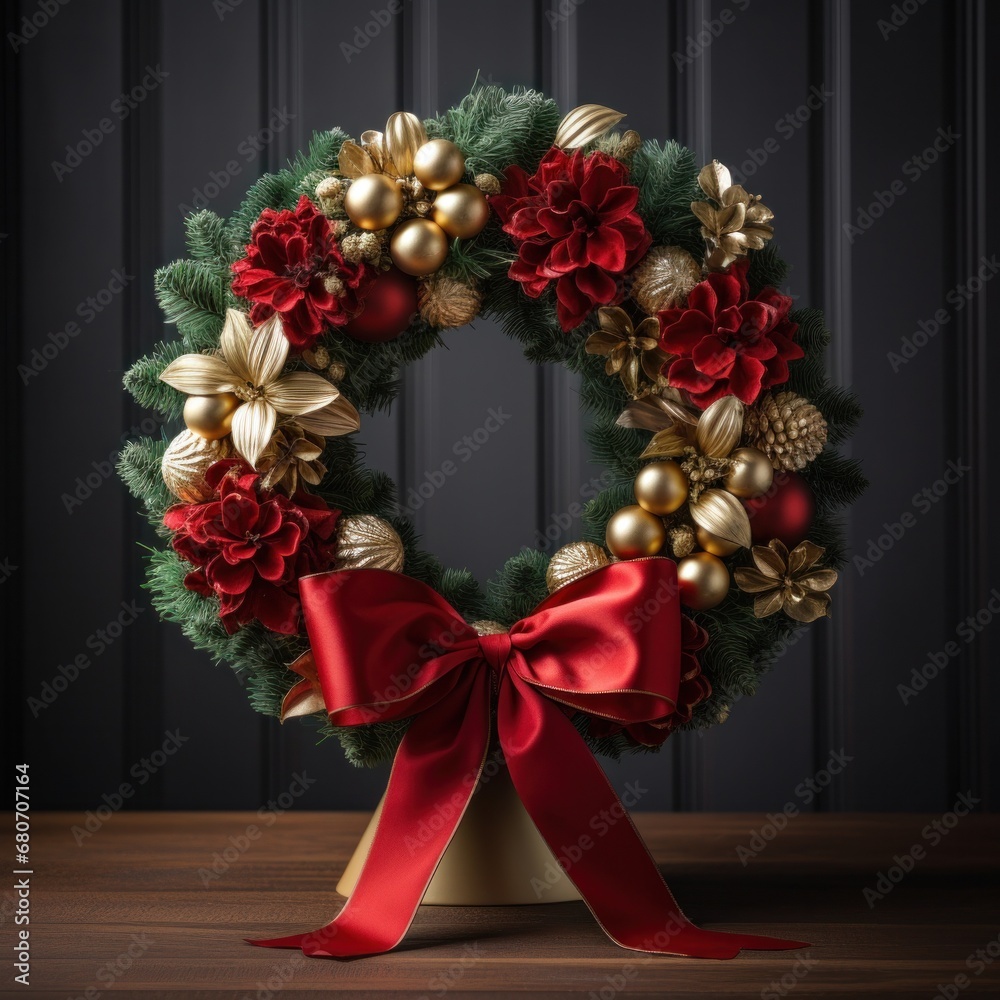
point(126, 913)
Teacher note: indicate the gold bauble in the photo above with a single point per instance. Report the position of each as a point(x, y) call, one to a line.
point(211, 416)
point(572, 562)
point(633, 532)
point(750, 473)
point(186, 461)
point(366, 541)
point(461, 211)
point(713, 543)
point(661, 487)
point(703, 580)
point(664, 278)
point(418, 247)
point(438, 164)
point(373, 201)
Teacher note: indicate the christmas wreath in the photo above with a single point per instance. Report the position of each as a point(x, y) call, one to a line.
point(618, 258)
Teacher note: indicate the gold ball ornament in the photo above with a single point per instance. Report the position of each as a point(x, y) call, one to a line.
point(750, 474)
point(713, 543)
point(703, 580)
point(661, 487)
point(186, 461)
point(572, 562)
point(418, 247)
point(633, 532)
point(438, 164)
point(211, 416)
point(664, 278)
point(373, 201)
point(461, 211)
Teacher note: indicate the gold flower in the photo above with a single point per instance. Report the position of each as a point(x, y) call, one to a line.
point(293, 454)
point(630, 351)
point(737, 222)
point(787, 581)
point(250, 366)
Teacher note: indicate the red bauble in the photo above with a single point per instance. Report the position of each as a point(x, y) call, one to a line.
point(389, 306)
point(785, 511)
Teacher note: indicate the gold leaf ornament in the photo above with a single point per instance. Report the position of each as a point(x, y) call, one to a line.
point(737, 221)
point(723, 516)
point(367, 542)
point(584, 124)
point(787, 581)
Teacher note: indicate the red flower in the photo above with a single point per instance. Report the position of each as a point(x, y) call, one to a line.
point(693, 689)
point(574, 222)
point(251, 546)
point(726, 343)
point(290, 257)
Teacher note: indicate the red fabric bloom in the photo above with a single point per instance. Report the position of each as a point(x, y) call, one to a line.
point(574, 222)
point(288, 257)
point(694, 689)
point(250, 547)
point(727, 343)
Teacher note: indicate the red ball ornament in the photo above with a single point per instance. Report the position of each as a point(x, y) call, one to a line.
point(785, 511)
point(388, 308)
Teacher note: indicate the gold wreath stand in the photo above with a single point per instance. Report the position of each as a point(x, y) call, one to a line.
point(496, 858)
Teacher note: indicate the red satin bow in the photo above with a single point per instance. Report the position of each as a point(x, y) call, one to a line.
point(386, 647)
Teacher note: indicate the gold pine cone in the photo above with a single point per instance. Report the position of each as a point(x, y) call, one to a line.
point(572, 562)
point(664, 279)
point(682, 540)
point(186, 461)
point(446, 302)
point(487, 183)
point(367, 542)
point(787, 428)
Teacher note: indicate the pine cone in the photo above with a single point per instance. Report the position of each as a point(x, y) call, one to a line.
point(446, 302)
point(787, 428)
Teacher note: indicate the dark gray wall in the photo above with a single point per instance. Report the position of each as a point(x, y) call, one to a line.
point(732, 78)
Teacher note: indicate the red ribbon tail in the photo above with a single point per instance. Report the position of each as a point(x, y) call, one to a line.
point(433, 776)
point(613, 870)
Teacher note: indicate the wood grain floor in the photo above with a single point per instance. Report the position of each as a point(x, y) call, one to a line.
point(126, 913)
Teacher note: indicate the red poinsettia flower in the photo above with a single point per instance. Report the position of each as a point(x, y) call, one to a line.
point(574, 222)
point(293, 266)
point(250, 547)
point(693, 689)
point(726, 343)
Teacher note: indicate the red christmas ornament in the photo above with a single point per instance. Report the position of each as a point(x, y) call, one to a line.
point(389, 307)
point(785, 511)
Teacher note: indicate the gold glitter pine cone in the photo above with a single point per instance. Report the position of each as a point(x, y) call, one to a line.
point(787, 428)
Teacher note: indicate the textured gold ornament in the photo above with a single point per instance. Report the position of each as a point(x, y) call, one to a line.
point(633, 532)
point(461, 211)
point(185, 462)
point(373, 201)
point(736, 223)
point(682, 540)
point(661, 488)
point(211, 416)
point(722, 515)
point(658, 411)
point(418, 247)
point(703, 581)
point(367, 542)
point(404, 135)
point(787, 428)
point(572, 562)
point(584, 124)
point(330, 195)
point(446, 302)
point(713, 434)
point(750, 473)
point(787, 581)
point(633, 353)
point(486, 626)
point(622, 146)
point(336, 371)
point(293, 457)
point(664, 279)
point(487, 183)
point(712, 543)
point(390, 153)
point(438, 164)
point(358, 246)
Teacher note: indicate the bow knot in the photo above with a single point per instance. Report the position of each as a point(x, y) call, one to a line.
point(495, 650)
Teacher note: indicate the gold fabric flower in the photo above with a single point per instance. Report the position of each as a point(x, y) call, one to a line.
point(250, 365)
point(389, 153)
point(631, 352)
point(737, 222)
point(787, 581)
point(293, 455)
